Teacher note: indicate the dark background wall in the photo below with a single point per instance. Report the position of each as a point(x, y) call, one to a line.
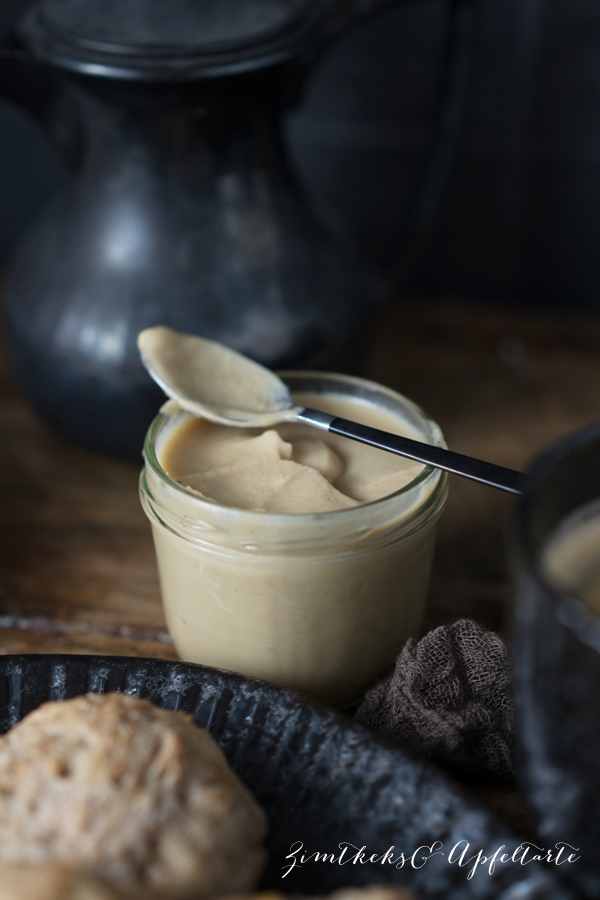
point(517, 221)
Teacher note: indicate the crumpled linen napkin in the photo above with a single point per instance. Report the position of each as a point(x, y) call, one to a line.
point(449, 698)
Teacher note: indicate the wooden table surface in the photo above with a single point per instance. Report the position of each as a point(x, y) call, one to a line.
point(76, 555)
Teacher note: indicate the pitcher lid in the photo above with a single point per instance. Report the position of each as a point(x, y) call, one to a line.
point(152, 40)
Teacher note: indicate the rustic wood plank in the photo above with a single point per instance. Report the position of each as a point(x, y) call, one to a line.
point(29, 636)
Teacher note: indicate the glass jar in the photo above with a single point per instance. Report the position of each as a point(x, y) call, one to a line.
point(319, 603)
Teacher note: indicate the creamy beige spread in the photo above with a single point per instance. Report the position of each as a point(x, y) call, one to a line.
point(571, 559)
point(292, 468)
point(289, 468)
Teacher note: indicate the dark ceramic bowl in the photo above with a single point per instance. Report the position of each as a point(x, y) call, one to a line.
point(557, 665)
point(322, 779)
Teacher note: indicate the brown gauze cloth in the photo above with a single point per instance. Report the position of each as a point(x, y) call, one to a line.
point(449, 699)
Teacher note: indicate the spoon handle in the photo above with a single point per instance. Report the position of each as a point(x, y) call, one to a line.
point(438, 457)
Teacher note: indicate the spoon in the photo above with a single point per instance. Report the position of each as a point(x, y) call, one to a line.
point(214, 382)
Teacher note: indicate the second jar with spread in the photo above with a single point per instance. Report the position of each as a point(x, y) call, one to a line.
point(290, 555)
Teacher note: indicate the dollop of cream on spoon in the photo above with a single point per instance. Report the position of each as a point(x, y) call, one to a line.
point(210, 380)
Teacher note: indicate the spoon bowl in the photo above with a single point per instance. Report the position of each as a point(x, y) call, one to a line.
point(205, 378)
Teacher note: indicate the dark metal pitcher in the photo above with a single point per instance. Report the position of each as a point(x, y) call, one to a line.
point(182, 208)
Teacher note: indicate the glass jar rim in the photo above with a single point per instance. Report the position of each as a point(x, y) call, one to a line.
point(427, 476)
